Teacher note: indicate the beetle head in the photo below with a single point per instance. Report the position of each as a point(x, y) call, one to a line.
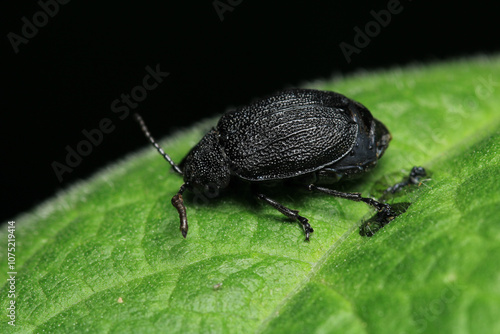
point(382, 137)
point(205, 167)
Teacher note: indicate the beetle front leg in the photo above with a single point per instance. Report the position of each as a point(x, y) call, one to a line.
point(293, 214)
point(178, 203)
point(383, 208)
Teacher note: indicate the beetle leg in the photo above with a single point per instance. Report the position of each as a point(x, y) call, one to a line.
point(178, 203)
point(293, 214)
point(415, 177)
point(386, 209)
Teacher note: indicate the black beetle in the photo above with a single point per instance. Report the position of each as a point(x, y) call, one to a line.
point(302, 136)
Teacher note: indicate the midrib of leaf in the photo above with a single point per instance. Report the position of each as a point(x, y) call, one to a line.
point(315, 268)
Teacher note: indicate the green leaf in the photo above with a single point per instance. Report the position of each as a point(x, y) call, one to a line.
point(107, 255)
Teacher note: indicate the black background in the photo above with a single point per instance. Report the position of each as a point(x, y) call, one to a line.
point(65, 78)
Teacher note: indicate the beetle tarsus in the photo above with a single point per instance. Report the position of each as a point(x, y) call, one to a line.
point(184, 230)
point(387, 212)
point(306, 226)
point(415, 177)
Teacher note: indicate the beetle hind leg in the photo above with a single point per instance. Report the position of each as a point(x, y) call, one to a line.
point(383, 208)
point(293, 214)
point(415, 177)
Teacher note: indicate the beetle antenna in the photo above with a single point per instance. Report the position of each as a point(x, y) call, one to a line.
point(144, 129)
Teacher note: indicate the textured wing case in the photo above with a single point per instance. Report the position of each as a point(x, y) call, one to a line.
point(288, 134)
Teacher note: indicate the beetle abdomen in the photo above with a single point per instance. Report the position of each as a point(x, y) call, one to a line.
point(288, 134)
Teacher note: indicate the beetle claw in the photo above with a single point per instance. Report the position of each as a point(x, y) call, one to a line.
point(387, 213)
point(308, 232)
point(184, 231)
point(306, 226)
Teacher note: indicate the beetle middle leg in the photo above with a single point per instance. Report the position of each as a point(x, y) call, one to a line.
point(385, 209)
point(293, 214)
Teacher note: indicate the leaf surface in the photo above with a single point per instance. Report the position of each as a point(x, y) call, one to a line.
point(107, 255)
